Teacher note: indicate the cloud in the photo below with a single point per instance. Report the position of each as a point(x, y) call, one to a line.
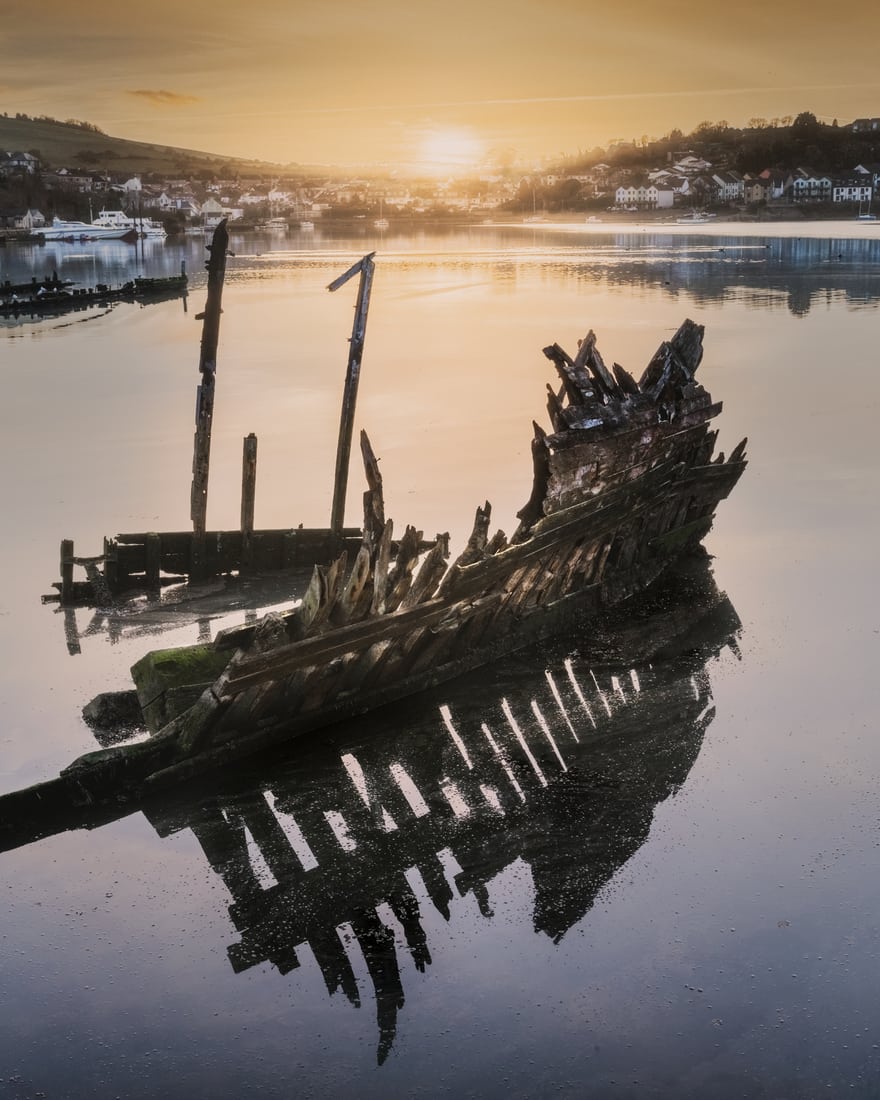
point(162, 98)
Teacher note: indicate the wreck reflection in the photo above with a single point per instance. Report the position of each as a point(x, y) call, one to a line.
point(554, 758)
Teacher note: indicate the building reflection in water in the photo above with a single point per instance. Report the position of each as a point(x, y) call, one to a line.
point(791, 273)
point(556, 758)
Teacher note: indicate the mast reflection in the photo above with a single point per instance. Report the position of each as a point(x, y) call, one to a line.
point(557, 759)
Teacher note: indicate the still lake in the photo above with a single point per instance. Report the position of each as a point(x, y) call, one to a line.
point(675, 891)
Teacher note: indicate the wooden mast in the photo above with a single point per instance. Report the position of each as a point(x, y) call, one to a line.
point(216, 266)
point(365, 268)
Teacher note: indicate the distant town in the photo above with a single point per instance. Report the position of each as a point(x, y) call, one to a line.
point(771, 168)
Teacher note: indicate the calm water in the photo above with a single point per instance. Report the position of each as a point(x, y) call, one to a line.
point(656, 879)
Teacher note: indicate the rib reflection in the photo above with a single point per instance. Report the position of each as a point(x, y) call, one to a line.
point(555, 759)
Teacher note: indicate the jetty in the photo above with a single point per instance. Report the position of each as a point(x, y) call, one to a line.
point(55, 297)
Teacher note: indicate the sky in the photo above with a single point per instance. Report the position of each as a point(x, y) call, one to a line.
point(433, 86)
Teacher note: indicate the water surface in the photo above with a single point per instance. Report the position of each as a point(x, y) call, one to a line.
point(686, 908)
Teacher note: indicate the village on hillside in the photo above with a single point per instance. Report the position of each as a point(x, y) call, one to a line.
point(685, 179)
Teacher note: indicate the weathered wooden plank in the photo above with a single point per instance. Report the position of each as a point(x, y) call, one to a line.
point(588, 356)
point(380, 570)
point(575, 380)
point(374, 500)
point(400, 576)
point(430, 572)
point(356, 593)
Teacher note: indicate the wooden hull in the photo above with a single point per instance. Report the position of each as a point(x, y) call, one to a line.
point(666, 636)
point(623, 486)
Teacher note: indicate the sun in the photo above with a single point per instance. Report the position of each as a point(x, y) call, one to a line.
point(449, 150)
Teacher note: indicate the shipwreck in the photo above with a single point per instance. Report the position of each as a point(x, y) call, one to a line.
point(625, 482)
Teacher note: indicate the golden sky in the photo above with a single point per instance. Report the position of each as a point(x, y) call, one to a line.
point(430, 83)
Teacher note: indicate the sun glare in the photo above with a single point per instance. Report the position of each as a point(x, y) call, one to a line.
point(449, 150)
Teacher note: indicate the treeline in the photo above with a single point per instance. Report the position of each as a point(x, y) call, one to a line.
point(779, 144)
point(76, 123)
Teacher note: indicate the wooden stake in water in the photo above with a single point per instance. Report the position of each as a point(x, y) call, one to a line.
point(248, 496)
point(364, 268)
point(208, 368)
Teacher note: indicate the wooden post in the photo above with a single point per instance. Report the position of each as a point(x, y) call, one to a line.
point(71, 632)
point(248, 494)
point(208, 368)
point(111, 564)
point(365, 268)
point(66, 571)
point(152, 559)
point(288, 550)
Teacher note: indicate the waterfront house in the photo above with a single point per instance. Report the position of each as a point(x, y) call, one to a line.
point(854, 187)
point(810, 186)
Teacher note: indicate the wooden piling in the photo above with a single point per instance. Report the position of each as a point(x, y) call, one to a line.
point(248, 495)
point(152, 559)
point(66, 571)
point(208, 368)
point(365, 268)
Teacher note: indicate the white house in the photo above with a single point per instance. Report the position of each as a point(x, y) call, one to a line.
point(214, 212)
point(644, 196)
point(728, 186)
point(854, 188)
point(809, 186)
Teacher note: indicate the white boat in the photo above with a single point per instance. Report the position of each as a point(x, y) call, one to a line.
point(274, 225)
point(110, 225)
point(866, 215)
point(307, 225)
point(118, 220)
point(694, 218)
point(63, 229)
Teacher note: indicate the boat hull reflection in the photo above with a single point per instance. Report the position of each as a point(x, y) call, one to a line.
point(557, 759)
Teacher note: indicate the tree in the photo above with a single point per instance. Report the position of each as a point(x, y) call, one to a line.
point(805, 122)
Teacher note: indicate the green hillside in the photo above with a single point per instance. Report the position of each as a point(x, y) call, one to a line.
point(65, 145)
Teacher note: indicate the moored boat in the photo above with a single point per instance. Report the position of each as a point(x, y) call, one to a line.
point(117, 220)
point(63, 229)
point(110, 225)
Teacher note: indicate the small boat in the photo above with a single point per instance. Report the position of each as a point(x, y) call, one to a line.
point(625, 482)
point(866, 215)
point(697, 217)
point(274, 225)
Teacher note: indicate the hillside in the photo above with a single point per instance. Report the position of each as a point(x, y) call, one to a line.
point(62, 145)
